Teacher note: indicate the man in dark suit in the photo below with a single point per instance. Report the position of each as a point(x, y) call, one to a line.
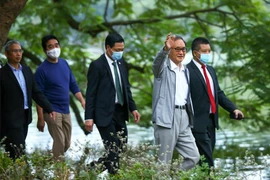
point(206, 95)
point(109, 100)
point(17, 88)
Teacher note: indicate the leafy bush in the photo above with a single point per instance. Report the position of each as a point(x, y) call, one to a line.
point(137, 163)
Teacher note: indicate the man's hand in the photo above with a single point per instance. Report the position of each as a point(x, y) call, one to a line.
point(89, 123)
point(79, 96)
point(136, 116)
point(169, 42)
point(52, 115)
point(238, 114)
point(40, 124)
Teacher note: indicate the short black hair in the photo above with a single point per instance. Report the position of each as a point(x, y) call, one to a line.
point(195, 45)
point(113, 38)
point(46, 38)
point(179, 37)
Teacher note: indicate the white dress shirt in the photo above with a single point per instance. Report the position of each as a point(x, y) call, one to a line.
point(181, 91)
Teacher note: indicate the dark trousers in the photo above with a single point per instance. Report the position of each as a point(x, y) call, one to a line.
point(206, 141)
point(15, 138)
point(114, 138)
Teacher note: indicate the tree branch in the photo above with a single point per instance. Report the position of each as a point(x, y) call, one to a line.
point(77, 114)
point(106, 11)
point(96, 29)
point(31, 56)
point(137, 68)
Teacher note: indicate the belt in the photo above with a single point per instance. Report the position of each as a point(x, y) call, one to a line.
point(180, 107)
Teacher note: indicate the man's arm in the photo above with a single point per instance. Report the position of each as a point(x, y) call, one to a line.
point(158, 63)
point(132, 104)
point(136, 116)
point(92, 85)
point(79, 96)
point(162, 55)
point(40, 122)
point(225, 102)
point(41, 100)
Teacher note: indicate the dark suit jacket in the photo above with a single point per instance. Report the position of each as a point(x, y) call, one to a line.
point(12, 110)
point(100, 95)
point(200, 99)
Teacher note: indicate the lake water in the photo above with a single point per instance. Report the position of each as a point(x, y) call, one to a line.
point(43, 140)
point(138, 134)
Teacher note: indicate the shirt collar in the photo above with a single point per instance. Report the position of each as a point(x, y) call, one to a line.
point(109, 60)
point(175, 67)
point(14, 69)
point(198, 64)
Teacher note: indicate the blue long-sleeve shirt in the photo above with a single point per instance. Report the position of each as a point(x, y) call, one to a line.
point(56, 80)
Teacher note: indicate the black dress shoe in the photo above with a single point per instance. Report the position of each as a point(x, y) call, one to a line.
point(92, 165)
point(96, 165)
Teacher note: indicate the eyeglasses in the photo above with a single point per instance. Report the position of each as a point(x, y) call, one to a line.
point(177, 49)
point(16, 51)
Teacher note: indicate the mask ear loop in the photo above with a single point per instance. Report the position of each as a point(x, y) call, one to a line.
point(198, 53)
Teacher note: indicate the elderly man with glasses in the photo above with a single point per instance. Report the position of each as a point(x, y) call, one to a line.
point(172, 108)
point(17, 89)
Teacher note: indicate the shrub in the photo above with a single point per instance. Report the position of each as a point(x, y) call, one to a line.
point(137, 163)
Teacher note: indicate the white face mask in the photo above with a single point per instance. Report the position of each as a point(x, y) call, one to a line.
point(54, 53)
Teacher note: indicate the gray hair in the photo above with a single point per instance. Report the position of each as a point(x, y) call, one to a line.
point(10, 43)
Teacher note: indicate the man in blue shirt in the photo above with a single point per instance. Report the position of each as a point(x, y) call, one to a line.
point(55, 79)
point(17, 89)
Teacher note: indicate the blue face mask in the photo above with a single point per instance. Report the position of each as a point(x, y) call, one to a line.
point(117, 55)
point(205, 58)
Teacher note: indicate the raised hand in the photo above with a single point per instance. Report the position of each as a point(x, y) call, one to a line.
point(169, 42)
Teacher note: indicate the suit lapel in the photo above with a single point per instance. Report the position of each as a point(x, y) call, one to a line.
point(199, 74)
point(11, 75)
point(105, 62)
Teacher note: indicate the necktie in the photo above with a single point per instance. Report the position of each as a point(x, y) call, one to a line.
point(117, 85)
point(211, 97)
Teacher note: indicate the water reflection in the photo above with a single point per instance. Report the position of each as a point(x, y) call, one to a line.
point(43, 140)
point(242, 150)
point(227, 152)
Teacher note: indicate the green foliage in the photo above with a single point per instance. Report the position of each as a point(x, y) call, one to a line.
point(5, 162)
point(238, 31)
point(136, 163)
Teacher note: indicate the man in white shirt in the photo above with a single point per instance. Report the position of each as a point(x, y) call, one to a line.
point(172, 107)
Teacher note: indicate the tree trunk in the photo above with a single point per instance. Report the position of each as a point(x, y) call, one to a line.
point(9, 10)
point(77, 114)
